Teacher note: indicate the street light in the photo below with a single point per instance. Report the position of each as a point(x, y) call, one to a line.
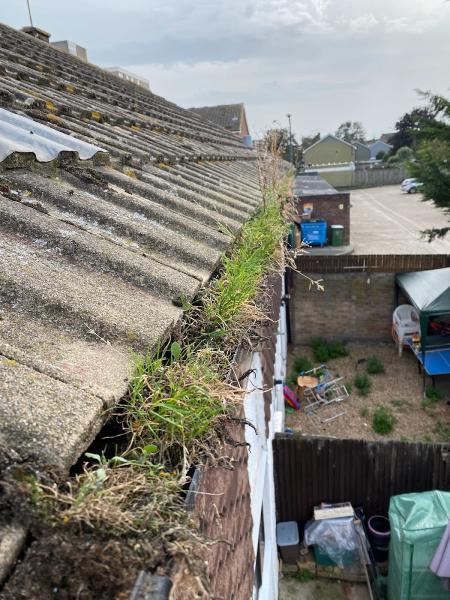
point(290, 148)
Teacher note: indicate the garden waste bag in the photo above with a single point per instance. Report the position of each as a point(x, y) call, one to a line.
point(418, 522)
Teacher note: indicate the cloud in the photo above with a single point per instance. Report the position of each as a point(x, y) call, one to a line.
point(362, 23)
point(308, 16)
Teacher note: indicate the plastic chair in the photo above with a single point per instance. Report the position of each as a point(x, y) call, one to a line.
point(405, 320)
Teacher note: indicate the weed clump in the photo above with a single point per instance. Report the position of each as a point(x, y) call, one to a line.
point(302, 364)
point(383, 420)
point(363, 384)
point(432, 396)
point(374, 366)
point(324, 351)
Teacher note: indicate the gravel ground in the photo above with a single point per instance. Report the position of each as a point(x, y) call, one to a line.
point(399, 389)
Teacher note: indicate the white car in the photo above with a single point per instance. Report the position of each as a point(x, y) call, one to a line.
point(411, 185)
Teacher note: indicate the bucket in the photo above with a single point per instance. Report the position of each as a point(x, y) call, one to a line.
point(379, 535)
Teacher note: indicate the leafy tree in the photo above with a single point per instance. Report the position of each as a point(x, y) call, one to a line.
point(277, 140)
point(431, 134)
point(351, 131)
point(381, 155)
point(406, 127)
point(309, 140)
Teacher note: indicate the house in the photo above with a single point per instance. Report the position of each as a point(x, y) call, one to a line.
point(362, 152)
point(229, 116)
point(329, 150)
point(116, 207)
point(379, 146)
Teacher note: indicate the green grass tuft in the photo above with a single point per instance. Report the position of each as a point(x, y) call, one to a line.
point(374, 366)
point(324, 351)
point(363, 384)
point(383, 420)
point(302, 364)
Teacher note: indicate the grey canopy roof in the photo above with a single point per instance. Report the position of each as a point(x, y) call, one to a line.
point(429, 291)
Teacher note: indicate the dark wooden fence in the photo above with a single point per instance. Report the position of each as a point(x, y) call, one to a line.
point(313, 470)
point(381, 263)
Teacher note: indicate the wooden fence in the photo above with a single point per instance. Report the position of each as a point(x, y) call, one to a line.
point(312, 470)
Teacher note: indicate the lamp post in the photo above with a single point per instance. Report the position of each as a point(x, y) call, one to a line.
point(290, 148)
point(29, 12)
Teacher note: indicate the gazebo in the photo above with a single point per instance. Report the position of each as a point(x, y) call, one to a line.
point(429, 293)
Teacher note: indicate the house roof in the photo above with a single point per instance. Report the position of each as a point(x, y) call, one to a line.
point(95, 255)
point(329, 136)
point(228, 116)
point(361, 145)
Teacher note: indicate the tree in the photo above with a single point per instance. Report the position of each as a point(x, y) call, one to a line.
point(309, 140)
point(351, 131)
point(277, 140)
point(431, 135)
point(405, 128)
point(403, 155)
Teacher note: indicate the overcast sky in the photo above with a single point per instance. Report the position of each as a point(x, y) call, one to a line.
point(324, 61)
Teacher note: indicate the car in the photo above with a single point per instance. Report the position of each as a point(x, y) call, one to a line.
point(411, 185)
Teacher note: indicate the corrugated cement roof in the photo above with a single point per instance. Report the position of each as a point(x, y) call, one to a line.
point(94, 258)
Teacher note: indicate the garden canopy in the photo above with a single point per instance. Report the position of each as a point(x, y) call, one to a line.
point(429, 292)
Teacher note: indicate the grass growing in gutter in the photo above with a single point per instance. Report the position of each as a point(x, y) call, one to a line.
point(176, 413)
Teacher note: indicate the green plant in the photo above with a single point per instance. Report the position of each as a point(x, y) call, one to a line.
point(364, 412)
point(433, 394)
point(324, 351)
point(383, 420)
point(363, 384)
point(443, 431)
point(304, 575)
point(302, 364)
point(399, 403)
point(349, 387)
point(374, 366)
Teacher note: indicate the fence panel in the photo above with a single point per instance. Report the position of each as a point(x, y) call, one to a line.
point(313, 470)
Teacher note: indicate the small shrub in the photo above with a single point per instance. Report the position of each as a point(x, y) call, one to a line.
point(349, 387)
point(383, 420)
point(364, 412)
point(363, 384)
point(374, 366)
point(304, 575)
point(443, 431)
point(320, 350)
point(302, 364)
point(324, 351)
point(433, 394)
point(337, 349)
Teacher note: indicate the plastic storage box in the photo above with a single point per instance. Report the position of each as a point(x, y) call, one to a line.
point(314, 233)
point(288, 541)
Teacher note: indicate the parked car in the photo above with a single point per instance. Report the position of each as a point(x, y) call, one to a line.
point(411, 185)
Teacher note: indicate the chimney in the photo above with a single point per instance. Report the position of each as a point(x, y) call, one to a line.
point(35, 32)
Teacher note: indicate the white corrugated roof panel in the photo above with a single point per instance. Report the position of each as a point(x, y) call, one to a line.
point(21, 134)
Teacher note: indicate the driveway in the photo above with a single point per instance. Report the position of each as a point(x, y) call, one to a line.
point(385, 220)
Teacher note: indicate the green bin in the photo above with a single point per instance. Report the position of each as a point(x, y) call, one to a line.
point(337, 235)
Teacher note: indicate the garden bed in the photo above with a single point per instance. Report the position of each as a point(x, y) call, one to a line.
point(399, 390)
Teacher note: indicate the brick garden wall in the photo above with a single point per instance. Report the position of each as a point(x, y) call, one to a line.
point(354, 307)
point(359, 295)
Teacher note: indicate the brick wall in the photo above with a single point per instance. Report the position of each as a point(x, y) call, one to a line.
point(334, 209)
point(354, 306)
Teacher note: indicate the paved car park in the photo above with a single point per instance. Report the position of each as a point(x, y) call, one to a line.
point(385, 220)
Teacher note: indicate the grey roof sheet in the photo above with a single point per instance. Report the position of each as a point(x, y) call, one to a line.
point(228, 116)
point(94, 259)
point(312, 185)
point(21, 134)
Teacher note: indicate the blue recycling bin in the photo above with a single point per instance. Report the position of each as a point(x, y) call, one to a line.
point(314, 233)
